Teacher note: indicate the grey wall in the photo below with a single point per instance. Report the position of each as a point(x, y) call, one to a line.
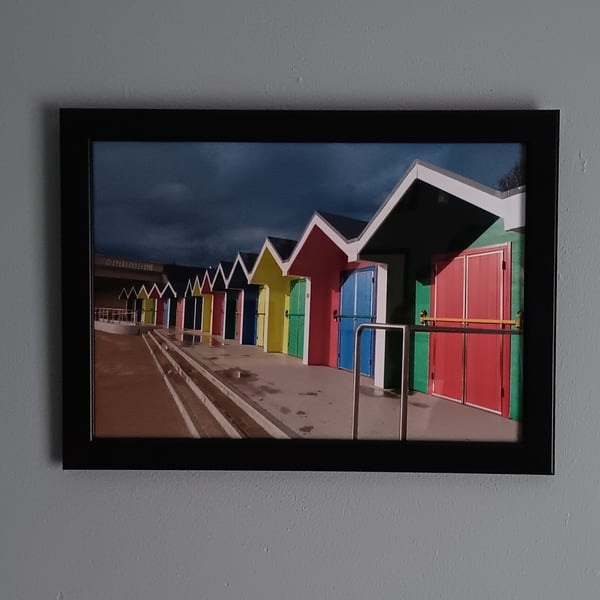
point(290, 535)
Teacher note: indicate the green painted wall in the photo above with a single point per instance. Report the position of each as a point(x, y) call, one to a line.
point(420, 346)
point(420, 341)
point(496, 235)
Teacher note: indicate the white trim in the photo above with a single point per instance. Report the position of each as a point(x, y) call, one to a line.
point(321, 223)
point(267, 245)
point(381, 283)
point(238, 260)
point(207, 277)
point(510, 206)
point(168, 285)
point(307, 304)
point(240, 301)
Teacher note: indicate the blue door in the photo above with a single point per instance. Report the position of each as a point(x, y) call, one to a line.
point(249, 319)
point(166, 308)
point(357, 305)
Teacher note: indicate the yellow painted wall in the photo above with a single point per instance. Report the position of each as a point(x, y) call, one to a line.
point(269, 274)
point(207, 306)
point(260, 319)
point(197, 289)
point(148, 311)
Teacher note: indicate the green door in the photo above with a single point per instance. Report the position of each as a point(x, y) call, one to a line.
point(296, 317)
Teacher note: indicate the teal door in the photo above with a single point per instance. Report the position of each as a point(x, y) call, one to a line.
point(296, 317)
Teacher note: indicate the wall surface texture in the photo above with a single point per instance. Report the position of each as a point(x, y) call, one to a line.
point(219, 535)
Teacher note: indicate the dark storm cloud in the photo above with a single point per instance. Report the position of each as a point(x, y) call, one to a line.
point(200, 203)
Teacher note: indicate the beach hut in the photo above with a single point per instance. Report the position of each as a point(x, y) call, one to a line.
point(246, 298)
point(272, 326)
point(453, 254)
point(184, 311)
point(340, 292)
point(225, 304)
point(146, 308)
point(168, 303)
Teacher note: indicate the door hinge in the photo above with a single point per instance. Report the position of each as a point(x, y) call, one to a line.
point(501, 392)
point(504, 265)
point(432, 376)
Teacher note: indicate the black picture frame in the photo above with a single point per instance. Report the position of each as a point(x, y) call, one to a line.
point(536, 130)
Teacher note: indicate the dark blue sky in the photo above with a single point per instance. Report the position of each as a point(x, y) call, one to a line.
point(200, 203)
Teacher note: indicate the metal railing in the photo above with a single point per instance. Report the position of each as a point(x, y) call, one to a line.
point(112, 315)
point(407, 330)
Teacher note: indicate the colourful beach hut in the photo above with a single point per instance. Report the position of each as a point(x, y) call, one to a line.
point(340, 292)
point(225, 303)
point(453, 254)
point(179, 293)
point(272, 326)
point(155, 294)
point(246, 299)
point(127, 296)
point(147, 306)
point(168, 302)
point(193, 305)
point(204, 290)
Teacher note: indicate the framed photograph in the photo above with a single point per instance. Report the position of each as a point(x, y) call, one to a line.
point(309, 289)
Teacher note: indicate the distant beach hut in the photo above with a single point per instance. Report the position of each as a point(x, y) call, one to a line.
point(274, 295)
point(246, 298)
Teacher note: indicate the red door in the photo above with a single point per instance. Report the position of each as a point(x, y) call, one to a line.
point(218, 312)
point(473, 369)
point(448, 348)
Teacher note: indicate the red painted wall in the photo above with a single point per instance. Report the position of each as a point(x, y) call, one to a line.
point(160, 311)
point(180, 313)
point(218, 312)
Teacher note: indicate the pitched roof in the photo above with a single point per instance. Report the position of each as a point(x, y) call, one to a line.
point(509, 205)
point(346, 226)
point(283, 246)
point(249, 259)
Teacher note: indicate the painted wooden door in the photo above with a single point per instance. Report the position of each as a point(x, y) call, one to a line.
point(218, 313)
point(173, 303)
point(260, 316)
point(230, 315)
point(357, 306)
point(198, 313)
point(250, 301)
point(295, 316)
point(166, 307)
point(189, 312)
point(472, 369)
point(148, 308)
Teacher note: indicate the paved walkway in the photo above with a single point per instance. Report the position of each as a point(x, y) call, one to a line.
point(130, 396)
point(316, 401)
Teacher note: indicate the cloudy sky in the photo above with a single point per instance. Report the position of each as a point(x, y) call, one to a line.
point(200, 203)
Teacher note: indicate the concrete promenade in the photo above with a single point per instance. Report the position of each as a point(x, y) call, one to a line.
point(316, 401)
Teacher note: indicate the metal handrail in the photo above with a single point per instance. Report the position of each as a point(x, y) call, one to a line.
point(518, 322)
point(406, 331)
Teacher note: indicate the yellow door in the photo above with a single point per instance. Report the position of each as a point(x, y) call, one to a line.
point(260, 316)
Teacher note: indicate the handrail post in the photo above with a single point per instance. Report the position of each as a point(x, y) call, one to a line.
point(403, 420)
point(405, 374)
point(356, 381)
point(403, 425)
